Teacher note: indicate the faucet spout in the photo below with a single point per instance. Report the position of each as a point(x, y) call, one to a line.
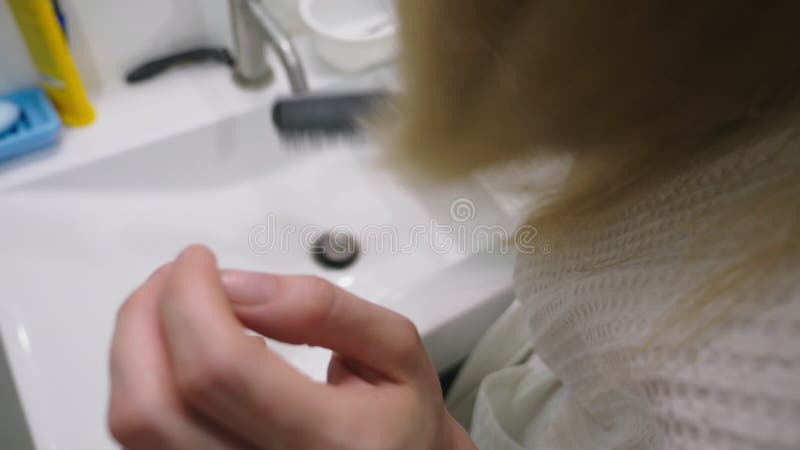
point(253, 28)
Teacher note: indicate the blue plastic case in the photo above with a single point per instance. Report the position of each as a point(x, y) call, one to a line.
point(37, 127)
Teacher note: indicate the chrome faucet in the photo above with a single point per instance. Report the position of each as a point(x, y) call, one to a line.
point(253, 29)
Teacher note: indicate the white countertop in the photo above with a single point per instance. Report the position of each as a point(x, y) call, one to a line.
point(177, 101)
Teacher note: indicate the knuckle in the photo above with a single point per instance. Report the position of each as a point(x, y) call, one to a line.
point(407, 337)
point(322, 299)
point(319, 287)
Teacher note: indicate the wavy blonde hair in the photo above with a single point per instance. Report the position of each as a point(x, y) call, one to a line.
point(635, 91)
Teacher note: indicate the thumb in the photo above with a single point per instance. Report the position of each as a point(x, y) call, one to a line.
point(309, 310)
point(218, 370)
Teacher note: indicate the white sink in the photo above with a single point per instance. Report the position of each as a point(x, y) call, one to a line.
point(75, 243)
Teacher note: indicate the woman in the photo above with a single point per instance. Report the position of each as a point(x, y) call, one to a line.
point(666, 316)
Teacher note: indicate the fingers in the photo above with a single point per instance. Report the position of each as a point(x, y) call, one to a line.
point(144, 410)
point(343, 371)
point(228, 376)
point(309, 310)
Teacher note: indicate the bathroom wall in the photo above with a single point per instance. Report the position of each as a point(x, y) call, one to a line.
point(108, 37)
point(15, 67)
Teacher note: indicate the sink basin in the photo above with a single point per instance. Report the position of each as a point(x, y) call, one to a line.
point(77, 242)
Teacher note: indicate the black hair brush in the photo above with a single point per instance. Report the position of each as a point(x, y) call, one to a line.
point(325, 114)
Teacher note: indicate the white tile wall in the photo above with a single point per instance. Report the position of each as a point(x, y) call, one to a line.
point(15, 66)
point(109, 37)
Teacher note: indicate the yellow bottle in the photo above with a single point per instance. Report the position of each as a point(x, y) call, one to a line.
point(42, 33)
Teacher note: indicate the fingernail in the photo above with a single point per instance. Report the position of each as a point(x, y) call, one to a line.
point(249, 288)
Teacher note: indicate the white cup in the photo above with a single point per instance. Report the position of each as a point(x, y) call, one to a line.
point(351, 35)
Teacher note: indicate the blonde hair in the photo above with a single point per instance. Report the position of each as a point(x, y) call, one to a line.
point(635, 91)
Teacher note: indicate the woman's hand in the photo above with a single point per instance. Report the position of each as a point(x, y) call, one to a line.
point(184, 375)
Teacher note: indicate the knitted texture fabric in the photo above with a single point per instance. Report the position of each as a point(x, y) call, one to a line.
point(606, 373)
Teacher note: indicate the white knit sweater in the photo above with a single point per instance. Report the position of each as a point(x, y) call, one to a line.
point(565, 368)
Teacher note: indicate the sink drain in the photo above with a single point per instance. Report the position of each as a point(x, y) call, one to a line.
point(336, 249)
